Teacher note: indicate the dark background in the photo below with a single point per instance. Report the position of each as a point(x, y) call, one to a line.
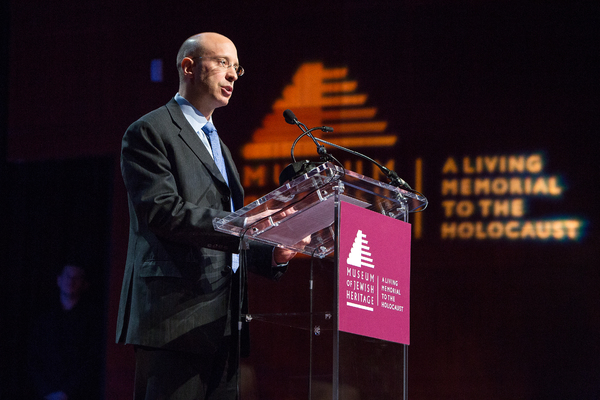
point(493, 320)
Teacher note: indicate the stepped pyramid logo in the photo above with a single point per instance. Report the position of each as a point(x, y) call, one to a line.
point(318, 96)
point(360, 256)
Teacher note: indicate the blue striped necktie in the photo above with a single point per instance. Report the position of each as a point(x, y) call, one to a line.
point(213, 137)
point(215, 144)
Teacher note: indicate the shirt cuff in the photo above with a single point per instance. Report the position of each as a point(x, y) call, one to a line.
point(273, 263)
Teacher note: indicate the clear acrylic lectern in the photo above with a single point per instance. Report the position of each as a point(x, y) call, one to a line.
point(340, 365)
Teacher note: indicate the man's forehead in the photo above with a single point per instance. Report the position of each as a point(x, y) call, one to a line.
point(219, 45)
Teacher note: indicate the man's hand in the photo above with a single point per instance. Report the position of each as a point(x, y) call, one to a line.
point(282, 256)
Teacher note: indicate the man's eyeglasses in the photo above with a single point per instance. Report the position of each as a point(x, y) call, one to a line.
point(223, 63)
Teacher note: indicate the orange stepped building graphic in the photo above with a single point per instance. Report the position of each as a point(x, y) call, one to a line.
point(318, 96)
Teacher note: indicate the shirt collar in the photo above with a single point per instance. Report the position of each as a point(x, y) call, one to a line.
point(194, 117)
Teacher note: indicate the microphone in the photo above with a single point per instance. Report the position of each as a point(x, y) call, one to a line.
point(291, 119)
point(395, 180)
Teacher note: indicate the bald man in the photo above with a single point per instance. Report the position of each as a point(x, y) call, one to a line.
point(180, 300)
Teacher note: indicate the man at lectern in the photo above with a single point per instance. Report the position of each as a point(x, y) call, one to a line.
point(184, 283)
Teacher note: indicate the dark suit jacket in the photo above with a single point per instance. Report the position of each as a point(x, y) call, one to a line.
point(178, 279)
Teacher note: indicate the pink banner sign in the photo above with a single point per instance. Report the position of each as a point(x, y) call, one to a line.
point(374, 275)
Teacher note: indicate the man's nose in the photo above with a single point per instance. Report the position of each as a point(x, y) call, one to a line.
point(231, 76)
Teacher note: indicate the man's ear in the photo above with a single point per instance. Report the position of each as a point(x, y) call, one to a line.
point(187, 65)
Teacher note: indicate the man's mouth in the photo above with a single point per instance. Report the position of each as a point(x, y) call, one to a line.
point(227, 90)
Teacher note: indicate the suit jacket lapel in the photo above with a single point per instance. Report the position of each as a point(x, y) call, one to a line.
point(190, 137)
point(235, 185)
